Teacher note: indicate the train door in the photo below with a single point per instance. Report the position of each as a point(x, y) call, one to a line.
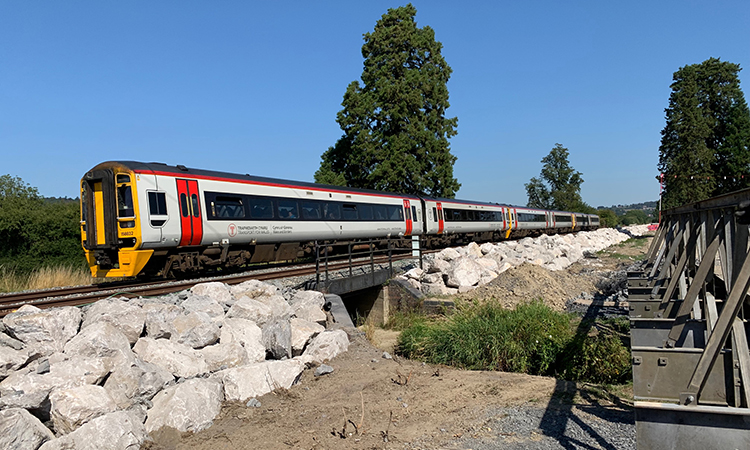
point(99, 210)
point(441, 221)
point(190, 212)
point(409, 224)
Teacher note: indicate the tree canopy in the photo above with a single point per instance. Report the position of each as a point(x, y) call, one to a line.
point(35, 232)
point(558, 186)
point(395, 126)
point(705, 144)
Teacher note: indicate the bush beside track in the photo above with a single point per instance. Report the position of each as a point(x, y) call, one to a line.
point(532, 338)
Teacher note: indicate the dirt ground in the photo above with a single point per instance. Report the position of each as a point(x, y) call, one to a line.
point(370, 402)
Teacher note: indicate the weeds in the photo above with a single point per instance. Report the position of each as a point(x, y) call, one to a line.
point(530, 339)
point(43, 278)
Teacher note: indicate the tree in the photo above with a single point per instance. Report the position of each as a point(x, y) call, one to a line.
point(395, 127)
point(558, 186)
point(705, 144)
point(607, 218)
point(35, 232)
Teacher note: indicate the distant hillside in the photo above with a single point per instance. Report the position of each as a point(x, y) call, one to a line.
point(620, 210)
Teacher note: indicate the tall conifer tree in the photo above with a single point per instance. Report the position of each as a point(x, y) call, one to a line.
point(395, 126)
point(705, 145)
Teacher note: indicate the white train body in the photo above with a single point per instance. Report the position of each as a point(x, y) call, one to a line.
point(175, 218)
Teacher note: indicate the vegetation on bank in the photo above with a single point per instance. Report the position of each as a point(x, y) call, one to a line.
point(37, 235)
point(532, 338)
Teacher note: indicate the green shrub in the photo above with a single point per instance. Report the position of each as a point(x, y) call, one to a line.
point(601, 355)
point(488, 337)
point(530, 339)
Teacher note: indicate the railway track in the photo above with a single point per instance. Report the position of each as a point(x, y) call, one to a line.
point(81, 295)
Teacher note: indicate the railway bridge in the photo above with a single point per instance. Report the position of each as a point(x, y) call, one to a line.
point(688, 310)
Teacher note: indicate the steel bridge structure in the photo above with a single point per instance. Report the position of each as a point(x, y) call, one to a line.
point(689, 330)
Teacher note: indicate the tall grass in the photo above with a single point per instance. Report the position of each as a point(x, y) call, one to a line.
point(43, 278)
point(530, 339)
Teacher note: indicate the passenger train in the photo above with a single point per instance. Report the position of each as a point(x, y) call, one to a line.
point(158, 220)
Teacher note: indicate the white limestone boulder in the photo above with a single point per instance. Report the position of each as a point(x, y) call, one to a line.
point(127, 317)
point(203, 304)
point(11, 360)
point(76, 369)
point(215, 290)
point(27, 389)
point(308, 305)
point(247, 334)
point(280, 309)
point(277, 338)
point(136, 384)
point(250, 309)
point(473, 249)
point(102, 340)
point(487, 248)
point(160, 319)
point(177, 359)
point(302, 332)
point(195, 329)
point(47, 330)
point(432, 278)
point(19, 430)
point(254, 380)
point(326, 346)
point(225, 356)
point(434, 289)
point(439, 266)
point(71, 408)
point(253, 289)
point(415, 273)
point(465, 272)
point(188, 406)
point(448, 254)
point(120, 430)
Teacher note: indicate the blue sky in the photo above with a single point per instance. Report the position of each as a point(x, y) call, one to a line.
point(254, 87)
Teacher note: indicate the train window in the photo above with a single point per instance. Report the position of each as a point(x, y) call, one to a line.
point(125, 202)
point(311, 210)
point(331, 211)
point(184, 205)
point(408, 214)
point(123, 178)
point(196, 207)
point(350, 212)
point(288, 209)
point(562, 218)
point(434, 215)
point(228, 207)
point(157, 203)
point(529, 217)
point(261, 208)
point(380, 211)
point(414, 213)
point(365, 212)
point(440, 214)
point(395, 212)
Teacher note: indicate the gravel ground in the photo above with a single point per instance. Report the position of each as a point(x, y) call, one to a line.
point(557, 426)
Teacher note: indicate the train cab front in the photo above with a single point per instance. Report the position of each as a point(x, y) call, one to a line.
point(110, 227)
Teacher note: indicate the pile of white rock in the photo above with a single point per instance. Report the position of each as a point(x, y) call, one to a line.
point(106, 375)
point(458, 270)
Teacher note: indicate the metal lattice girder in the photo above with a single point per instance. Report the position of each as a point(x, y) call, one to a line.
point(691, 360)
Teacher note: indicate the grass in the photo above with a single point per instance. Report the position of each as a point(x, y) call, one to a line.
point(43, 278)
point(532, 338)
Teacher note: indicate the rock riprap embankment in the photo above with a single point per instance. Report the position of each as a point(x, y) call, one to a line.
point(106, 375)
point(458, 270)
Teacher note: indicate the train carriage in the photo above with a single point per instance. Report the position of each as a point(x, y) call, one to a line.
point(159, 218)
point(154, 219)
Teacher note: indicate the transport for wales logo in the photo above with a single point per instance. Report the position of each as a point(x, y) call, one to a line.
point(232, 230)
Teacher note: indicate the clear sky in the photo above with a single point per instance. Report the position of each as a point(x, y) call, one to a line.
point(254, 87)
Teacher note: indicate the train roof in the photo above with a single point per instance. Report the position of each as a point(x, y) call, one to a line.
point(180, 170)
